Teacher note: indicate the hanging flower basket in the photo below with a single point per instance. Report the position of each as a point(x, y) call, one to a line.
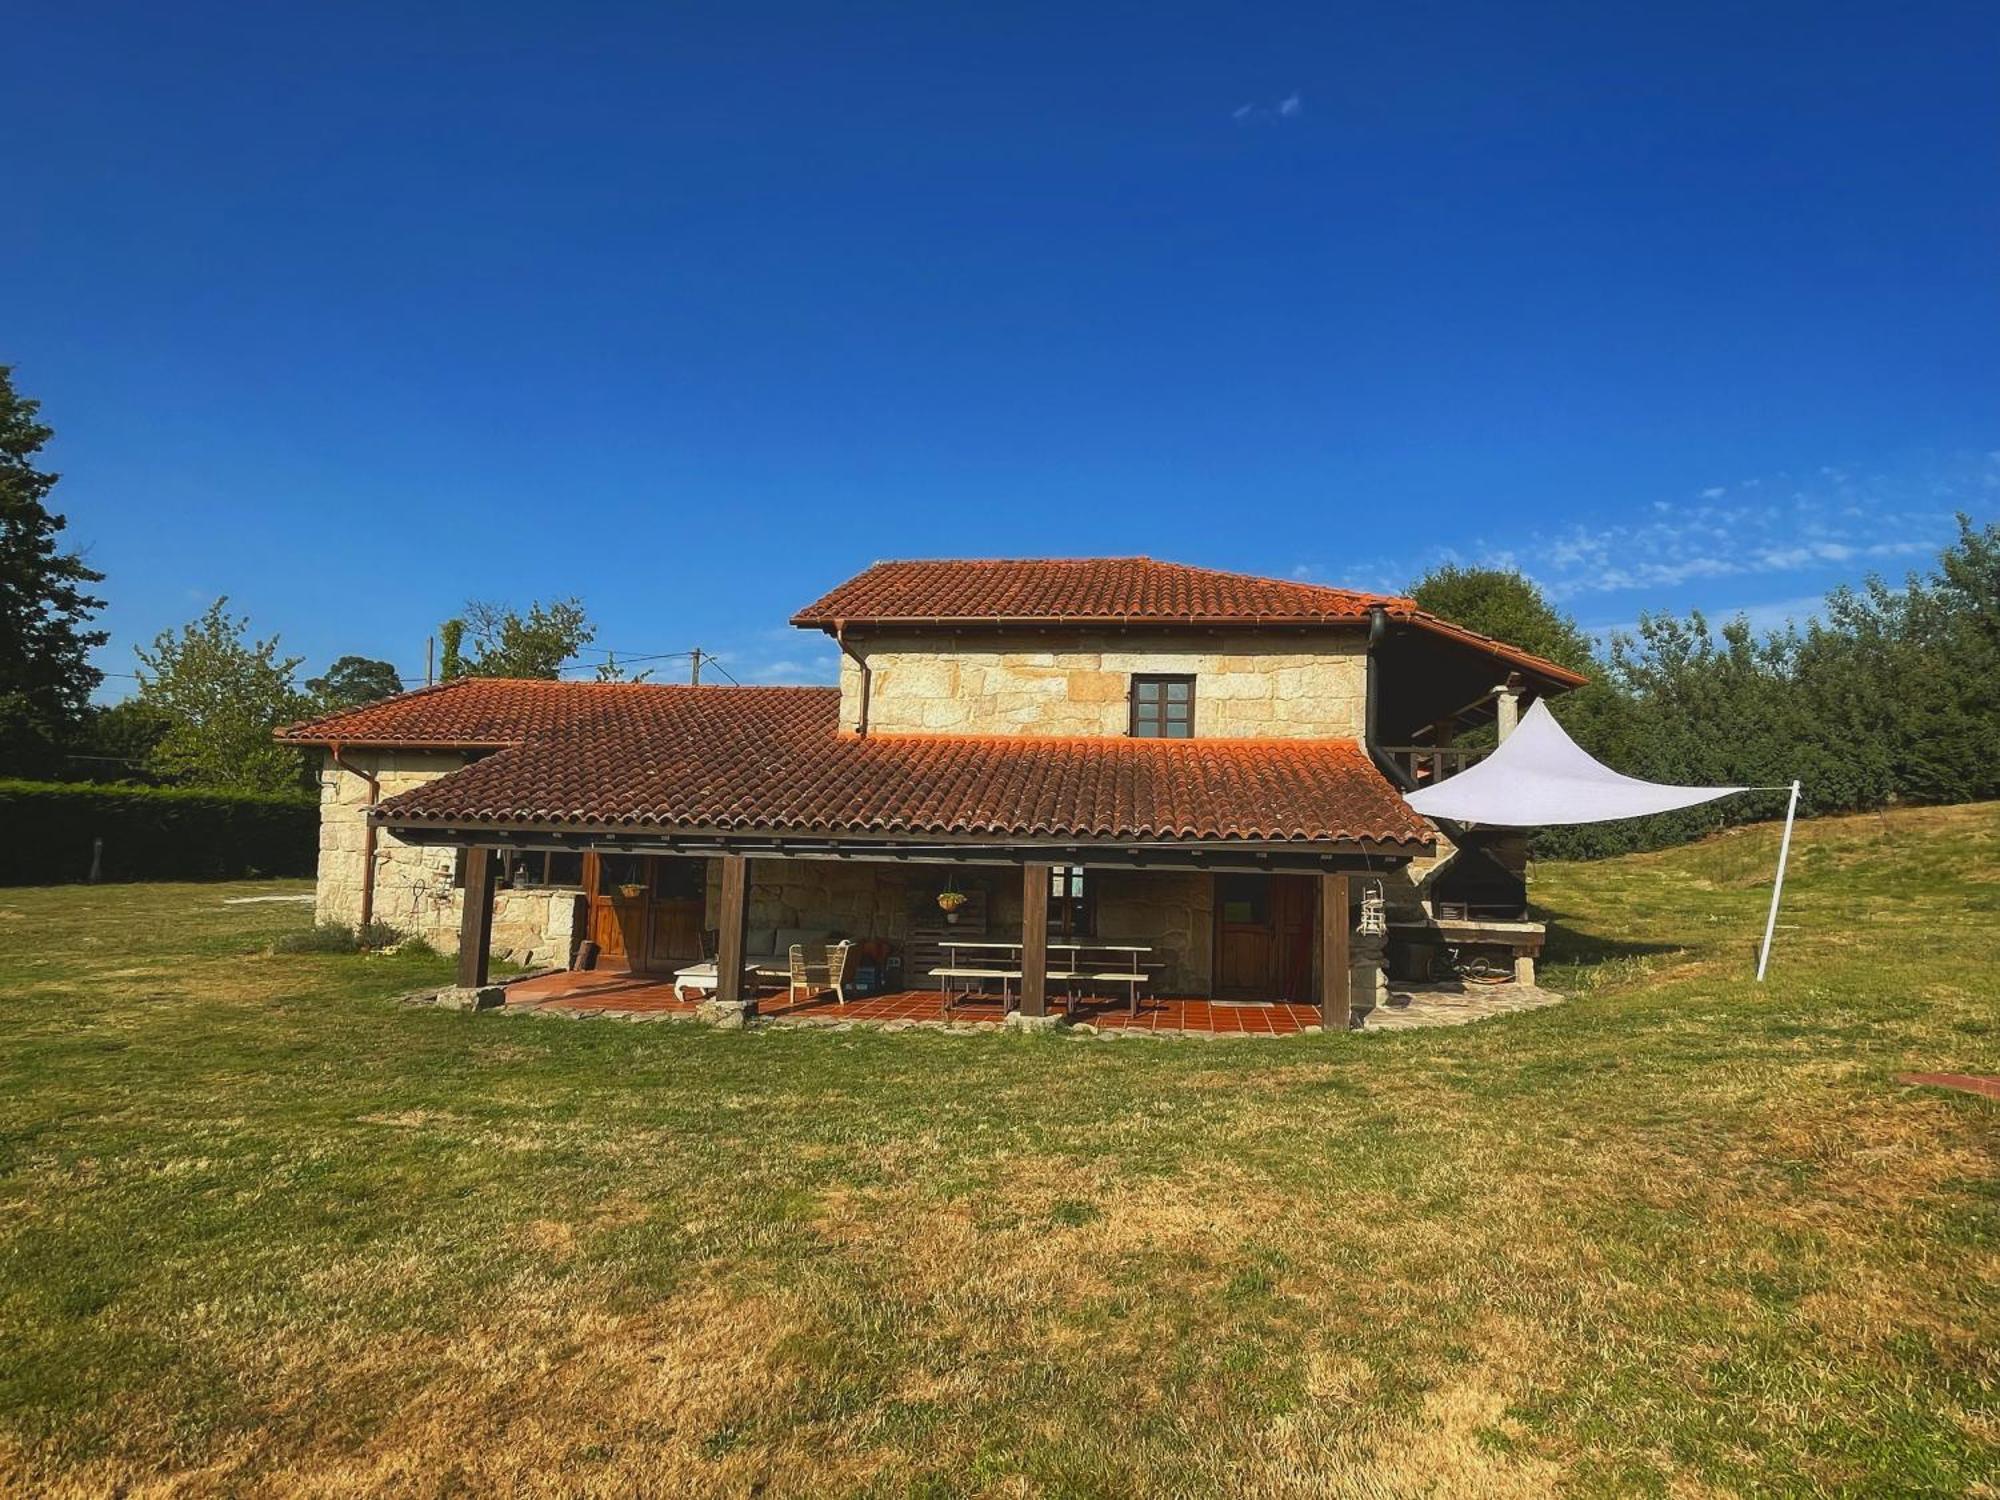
point(631, 892)
point(949, 902)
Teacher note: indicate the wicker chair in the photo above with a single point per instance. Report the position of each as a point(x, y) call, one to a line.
point(828, 971)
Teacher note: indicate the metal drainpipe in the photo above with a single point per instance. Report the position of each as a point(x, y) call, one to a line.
point(867, 676)
point(367, 835)
point(1378, 631)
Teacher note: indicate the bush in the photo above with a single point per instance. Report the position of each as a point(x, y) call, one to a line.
point(326, 937)
point(151, 833)
point(379, 935)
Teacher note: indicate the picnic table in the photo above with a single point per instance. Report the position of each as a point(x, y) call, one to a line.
point(1082, 967)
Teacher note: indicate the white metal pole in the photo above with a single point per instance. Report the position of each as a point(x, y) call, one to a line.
point(1778, 885)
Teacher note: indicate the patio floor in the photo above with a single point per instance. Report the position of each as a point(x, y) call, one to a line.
point(618, 995)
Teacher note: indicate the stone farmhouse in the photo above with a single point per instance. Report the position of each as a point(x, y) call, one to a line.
point(1202, 767)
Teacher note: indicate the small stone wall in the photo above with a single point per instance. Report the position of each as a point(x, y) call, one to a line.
point(1246, 685)
point(413, 885)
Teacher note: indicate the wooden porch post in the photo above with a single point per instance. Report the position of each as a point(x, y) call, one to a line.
point(1034, 940)
point(732, 924)
point(475, 922)
point(1335, 1000)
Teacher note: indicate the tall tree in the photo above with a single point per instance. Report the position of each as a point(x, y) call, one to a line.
point(46, 678)
point(353, 680)
point(451, 653)
point(1507, 605)
point(507, 643)
point(222, 694)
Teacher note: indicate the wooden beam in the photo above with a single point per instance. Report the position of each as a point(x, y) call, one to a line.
point(1335, 977)
point(732, 926)
point(475, 922)
point(1034, 940)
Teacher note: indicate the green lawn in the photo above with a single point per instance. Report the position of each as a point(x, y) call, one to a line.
point(262, 1229)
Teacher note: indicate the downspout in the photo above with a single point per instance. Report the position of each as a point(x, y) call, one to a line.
point(1378, 632)
point(367, 834)
point(867, 676)
point(1402, 780)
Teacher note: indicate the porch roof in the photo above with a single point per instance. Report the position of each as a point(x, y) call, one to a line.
point(774, 761)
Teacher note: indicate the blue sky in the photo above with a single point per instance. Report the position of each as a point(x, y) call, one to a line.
point(353, 312)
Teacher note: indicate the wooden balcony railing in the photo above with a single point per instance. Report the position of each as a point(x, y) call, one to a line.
point(1429, 764)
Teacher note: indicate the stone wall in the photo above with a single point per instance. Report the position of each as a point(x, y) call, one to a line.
point(1246, 685)
point(413, 885)
point(850, 898)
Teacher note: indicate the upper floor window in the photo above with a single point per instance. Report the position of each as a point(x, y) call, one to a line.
point(1162, 707)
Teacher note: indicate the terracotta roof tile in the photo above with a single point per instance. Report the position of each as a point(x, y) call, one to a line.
point(1077, 589)
point(473, 712)
point(973, 592)
point(773, 760)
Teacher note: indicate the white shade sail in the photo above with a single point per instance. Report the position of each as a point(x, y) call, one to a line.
point(1538, 776)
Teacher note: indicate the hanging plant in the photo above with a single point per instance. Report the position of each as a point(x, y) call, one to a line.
point(949, 900)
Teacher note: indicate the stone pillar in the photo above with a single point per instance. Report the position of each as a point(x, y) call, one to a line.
point(1369, 968)
point(1507, 706)
point(1336, 979)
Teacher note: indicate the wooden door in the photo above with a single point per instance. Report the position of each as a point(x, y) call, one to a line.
point(680, 902)
point(1263, 937)
point(1294, 904)
point(1245, 938)
point(618, 888)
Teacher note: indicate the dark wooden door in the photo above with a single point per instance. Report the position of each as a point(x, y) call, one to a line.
point(1263, 937)
point(618, 885)
point(680, 899)
point(1245, 939)
point(1294, 904)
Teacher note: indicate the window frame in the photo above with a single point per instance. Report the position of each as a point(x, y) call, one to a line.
point(528, 869)
point(1161, 708)
point(1072, 902)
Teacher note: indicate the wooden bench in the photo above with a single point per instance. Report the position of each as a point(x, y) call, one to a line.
point(1131, 977)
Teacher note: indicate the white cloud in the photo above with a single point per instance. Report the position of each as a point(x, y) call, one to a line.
point(1834, 519)
point(1253, 113)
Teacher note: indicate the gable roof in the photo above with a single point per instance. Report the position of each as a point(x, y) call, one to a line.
point(972, 593)
point(1073, 590)
point(773, 760)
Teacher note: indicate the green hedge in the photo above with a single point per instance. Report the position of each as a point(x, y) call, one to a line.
point(151, 833)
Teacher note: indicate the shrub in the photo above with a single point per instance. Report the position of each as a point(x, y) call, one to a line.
point(380, 935)
point(151, 833)
point(325, 937)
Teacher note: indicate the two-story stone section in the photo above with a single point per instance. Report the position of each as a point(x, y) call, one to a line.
point(1134, 766)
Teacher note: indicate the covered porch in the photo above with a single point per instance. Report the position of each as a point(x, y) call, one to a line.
point(1230, 941)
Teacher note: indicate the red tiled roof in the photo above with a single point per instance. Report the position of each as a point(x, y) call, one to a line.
point(467, 712)
point(971, 592)
point(774, 760)
point(1077, 589)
